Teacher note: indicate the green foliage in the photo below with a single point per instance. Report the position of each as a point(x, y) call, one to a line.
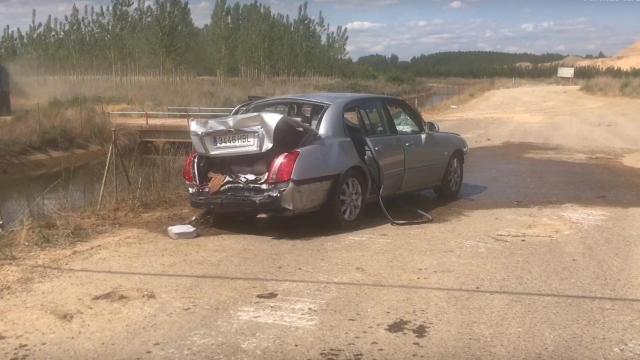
point(245, 39)
point(467, 64)
point(134, 38)
point(397, 77)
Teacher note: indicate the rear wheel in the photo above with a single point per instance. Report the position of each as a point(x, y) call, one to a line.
point(452, 179)
point(345, 206)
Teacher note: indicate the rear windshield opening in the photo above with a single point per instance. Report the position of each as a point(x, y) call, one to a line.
point(309, 113)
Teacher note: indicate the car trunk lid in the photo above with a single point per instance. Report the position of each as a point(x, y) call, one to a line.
point(245, 134)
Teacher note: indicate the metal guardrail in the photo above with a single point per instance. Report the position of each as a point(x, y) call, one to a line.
point(198, 109)
point(150, 115)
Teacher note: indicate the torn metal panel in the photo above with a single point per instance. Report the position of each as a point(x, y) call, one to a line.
point(306, 197)
point(240, 134)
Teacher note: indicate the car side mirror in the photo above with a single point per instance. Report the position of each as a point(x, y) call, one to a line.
point(432, 127)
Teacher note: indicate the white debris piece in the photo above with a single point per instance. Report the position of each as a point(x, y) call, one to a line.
point(182, 232)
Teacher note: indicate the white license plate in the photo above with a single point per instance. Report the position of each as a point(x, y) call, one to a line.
point(234, 140)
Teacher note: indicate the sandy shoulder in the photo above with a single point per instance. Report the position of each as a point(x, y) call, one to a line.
point(550, 114)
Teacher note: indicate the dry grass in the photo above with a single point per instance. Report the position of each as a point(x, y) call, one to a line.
point(71, 227)
point(156, 94)
point(63, 112)
point(609, 86)
point(60, 125)
point(467, 91)
point(156, 185)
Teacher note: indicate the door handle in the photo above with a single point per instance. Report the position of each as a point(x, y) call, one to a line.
point(377, 148)
point(409, 145)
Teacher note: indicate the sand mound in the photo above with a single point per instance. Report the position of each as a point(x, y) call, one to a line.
point(570, 60)
point(633, 50)
point(626, 59)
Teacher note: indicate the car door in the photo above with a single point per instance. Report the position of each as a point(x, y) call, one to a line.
point(370, 118)
point(421, 155)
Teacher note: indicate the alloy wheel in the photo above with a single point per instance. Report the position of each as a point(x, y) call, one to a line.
point(350, 199)
point(455, 174)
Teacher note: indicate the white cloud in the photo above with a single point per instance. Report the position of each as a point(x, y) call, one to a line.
point(363, 25)
point(345, 4)
point(456, 4)
point(201, 12)
point(574, 36)
point(527, 27)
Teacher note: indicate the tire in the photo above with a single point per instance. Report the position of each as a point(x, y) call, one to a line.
point(345, 206)
point(452, 178)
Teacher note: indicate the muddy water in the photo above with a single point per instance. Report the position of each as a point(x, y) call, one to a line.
point(46, 194)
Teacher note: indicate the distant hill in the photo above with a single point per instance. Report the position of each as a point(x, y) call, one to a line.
point(626, 59)
point(633, 50)
point(465, 64)
point(484, 58)
point(570, 60)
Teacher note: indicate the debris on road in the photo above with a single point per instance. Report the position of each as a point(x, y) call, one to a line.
point(179, 232)
point(269, 295)
point(116, 295)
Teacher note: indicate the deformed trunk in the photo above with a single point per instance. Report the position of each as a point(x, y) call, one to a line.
point(236, 152)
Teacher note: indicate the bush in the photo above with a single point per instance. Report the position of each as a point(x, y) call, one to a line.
point(610, 86)
point(60, 125)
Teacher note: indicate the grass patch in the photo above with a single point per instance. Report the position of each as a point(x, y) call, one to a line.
point(60, 125)
point(62, 113)
point(610, 86)
point(156, 183)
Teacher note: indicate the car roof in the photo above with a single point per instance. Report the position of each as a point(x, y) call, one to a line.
point(332, 98)
point(332, 124)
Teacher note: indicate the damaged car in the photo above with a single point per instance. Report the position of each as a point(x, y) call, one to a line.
point(330, 151)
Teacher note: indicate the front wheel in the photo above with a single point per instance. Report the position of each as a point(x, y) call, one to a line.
point(345, 206)
point(452, 178)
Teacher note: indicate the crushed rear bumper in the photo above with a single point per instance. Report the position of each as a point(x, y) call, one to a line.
point(267, 201)
point(282, 199)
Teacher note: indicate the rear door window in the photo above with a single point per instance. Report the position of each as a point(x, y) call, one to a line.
point(373, 118)
point(351, 117)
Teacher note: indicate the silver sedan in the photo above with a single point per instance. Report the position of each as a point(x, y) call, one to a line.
point(328, 151)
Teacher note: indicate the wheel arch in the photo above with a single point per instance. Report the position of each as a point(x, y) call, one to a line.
point(460, 153)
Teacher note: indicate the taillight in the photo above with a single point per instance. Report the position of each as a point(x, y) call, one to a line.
point(188, 169)
point(282, 167)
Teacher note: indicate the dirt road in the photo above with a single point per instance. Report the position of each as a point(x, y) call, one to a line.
point(538, 259)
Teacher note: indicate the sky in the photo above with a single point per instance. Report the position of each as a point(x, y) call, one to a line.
point(412, 27)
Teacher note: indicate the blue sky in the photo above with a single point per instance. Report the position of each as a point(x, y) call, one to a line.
point(412, 27)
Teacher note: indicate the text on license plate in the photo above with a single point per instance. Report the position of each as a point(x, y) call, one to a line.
point(234, 140)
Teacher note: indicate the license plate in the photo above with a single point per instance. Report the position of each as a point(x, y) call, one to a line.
point(234, 140)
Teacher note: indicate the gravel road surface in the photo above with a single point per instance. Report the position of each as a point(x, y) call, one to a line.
point(539, 258)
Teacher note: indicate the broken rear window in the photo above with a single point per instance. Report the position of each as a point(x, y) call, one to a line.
point(309, 113)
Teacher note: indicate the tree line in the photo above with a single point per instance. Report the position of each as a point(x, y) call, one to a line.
point(134, 37)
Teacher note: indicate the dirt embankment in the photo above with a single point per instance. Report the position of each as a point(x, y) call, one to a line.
point(626, 59)
point(557, 115)
point(13, 167)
